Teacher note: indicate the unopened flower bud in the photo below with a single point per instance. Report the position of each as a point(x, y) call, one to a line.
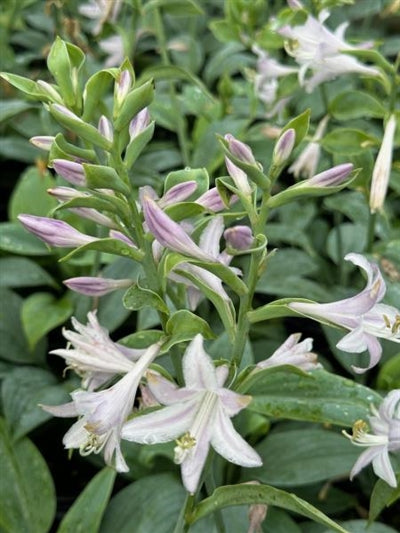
point(284, 146)
point(238, 176)
point(63, 194)
point(178, 193)
point(96, 286)
point(382, 168)
point(70, 171)
point(139, 123)
point(240, 150)
point(122, 87)
point(239, 237)
point(50, 91)
point(332, 177)
point(66, 112)
point(42, 141)
point(105, 128)
point(55, 232)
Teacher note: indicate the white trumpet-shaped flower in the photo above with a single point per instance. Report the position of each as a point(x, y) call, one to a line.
point(292, 352)
point(383, 438)
point(362, 314)
point(196, 417)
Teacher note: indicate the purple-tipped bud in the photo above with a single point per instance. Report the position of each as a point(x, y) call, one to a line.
point(43, 142)
point(284, 146)
point(123, 86)
point(55, 232)
point(169, 233)
point(238, 176)
point(139, 123)
point(70, 171)
point(114, 234)
point(50, 91)
point(178, 193)
point(212, 200)
point(63, 194)
point(94, 286)
point(66, 112)
point(240, 150)
point(105, 128)
point(332, 177)
point(239, 237)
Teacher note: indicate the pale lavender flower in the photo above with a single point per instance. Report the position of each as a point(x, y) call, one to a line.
point(269, 70)
point(139, 123)
point(362, 314)
point(113, 47)
point(42, 141)
point(105, 128)
point(103, 413)
point(93, 355)
point(178, 193)
point(71, 171)
point(384, 438)
point(239, 237)
point(212, 200)
point(292, 352)
point(315, 47)
point(114, 234)
point(284, 146)
point(240, 150)
point(96, 286)
point(55, 232)
point(382, 168)
point(239, 177)
point(196, 416)
point(169, 233)
point(123, 86)
point(307, 162)
point(100, 11)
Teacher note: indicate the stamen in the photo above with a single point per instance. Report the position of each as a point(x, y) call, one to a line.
point(184, 444)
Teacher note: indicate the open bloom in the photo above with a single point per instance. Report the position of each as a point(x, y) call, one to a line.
point(93, 355)
point(384, 438)
point(362, 314)
point(197, 416)
point(100, 11)
point(103, 414)
point(315, 47)
point(382, 168)
point(292, 352)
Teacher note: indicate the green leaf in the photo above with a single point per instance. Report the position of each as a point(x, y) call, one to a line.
point(65, 148)
point(136, 100)
point(137, 297)
point(27, 500)
point(363, 526)
point(353, 238)
point(142, 339)
point(30, 194)
point(316, 397)
point(95, 88)
point(25, 85)
point(276, 309)
point(183, 326)
point(382, 496)
point(10, 108)
point(108, 246)
point(199, 175)
point(13, 342)
point(300, 124)
point(86, 512)
point(151, 504)
point(348, 141)
point(355, 104)
point(259, 494)
point(23, 389)
point(318, 455)
point(15, 147)
point(102, 177)
point(23, 272)
point(176, 8)
point(136, 146)
point(41, 313)
point(389, 374)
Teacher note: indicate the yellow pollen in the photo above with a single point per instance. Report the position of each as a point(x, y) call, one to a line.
point(396, 324)
point(186, 442)
point(387, 321)
point(359, 428)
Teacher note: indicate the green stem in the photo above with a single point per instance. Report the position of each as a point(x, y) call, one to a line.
point(371, 231)
point(180, 120)
point(181, 525)
point(210, 487)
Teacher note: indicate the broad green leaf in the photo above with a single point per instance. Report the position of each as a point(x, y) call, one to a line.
point(355, 104)
point(389, 374)
point(22, 391)
point(184, 325)
point(9, 108)
point(363, 526)
point(347, 141)
point(317, 455)
point(13, 342)
point(23, 272)
point(316, 397)
point(25, 85)
point(15, 147)
point(350, 203)
point(383, 495)
point(30, 194)
point(42, 312)
point(142, 339)
point(27, 500)
point(225, 31)
point(151, 504)
point(352, 238)
point(259, 494)
point(86, 512)
point(137, 297)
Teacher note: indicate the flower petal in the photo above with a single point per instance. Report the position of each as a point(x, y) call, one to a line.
point(383, 468)
point(198, 368)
